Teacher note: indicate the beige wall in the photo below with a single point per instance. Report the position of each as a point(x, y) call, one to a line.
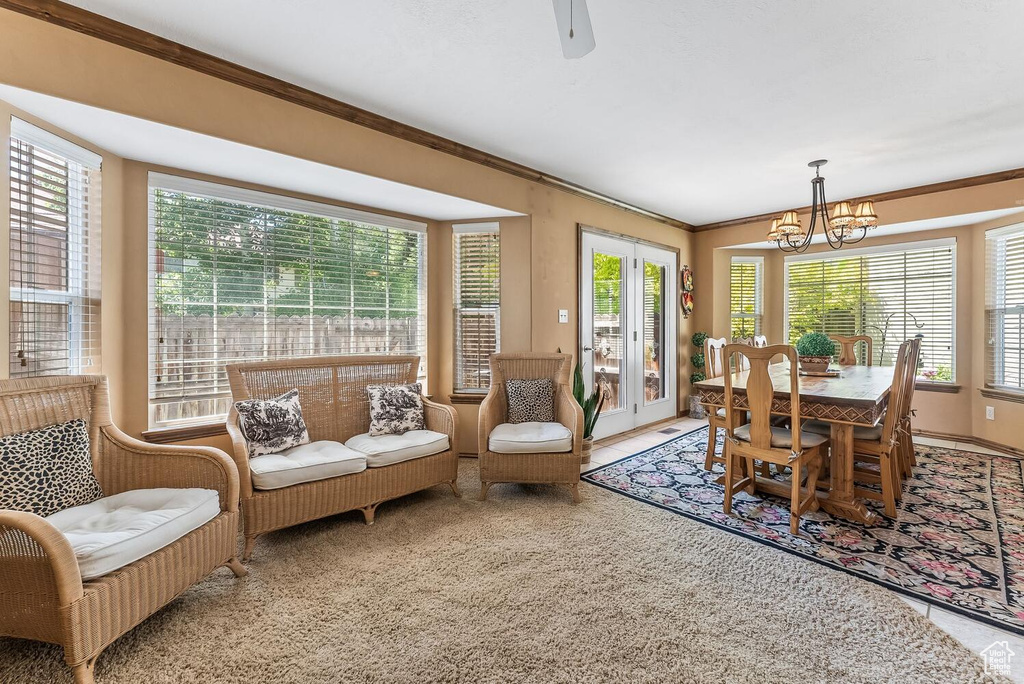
point(542, 278)
point(961, 413)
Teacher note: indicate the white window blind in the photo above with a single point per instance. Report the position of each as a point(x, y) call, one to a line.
point(239, 275)
point(477, 258)
point(1004, 308)
point(746, 296)
point(54, 255)
point(889, 294)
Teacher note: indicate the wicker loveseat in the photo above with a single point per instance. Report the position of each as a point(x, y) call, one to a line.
point(523, 458)
point(335, 408)
point(42, 592)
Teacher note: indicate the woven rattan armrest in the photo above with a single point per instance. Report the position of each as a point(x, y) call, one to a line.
point(127, 463)
point(443, 419)
point(491, 416)
point(36, 559)
point(569, 413)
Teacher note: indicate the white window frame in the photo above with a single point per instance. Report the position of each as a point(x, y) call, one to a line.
point(758, 315)
point(465, 229)
point(995, 299)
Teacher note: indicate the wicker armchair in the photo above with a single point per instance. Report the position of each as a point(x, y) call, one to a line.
point(335, 407)
point(42, 595)
point(550, 468)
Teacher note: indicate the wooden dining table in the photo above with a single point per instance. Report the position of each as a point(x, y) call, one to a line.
point(856, 397)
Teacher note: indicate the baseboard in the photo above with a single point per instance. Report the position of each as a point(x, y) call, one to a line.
point(969, 439)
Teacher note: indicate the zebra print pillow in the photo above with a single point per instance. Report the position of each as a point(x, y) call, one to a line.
point(272, 425)
point(47, 470)
point(395, 409)
point(530, 400)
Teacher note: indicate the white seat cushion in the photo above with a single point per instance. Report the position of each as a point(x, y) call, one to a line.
point(112, 532)
point(384, 450)
point(867, 434)
point(530, 438)
point(305, 463)
point(782, 438)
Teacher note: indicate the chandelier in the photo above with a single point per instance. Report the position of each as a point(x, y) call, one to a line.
point(840, 228)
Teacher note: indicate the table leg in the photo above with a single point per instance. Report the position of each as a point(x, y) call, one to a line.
point(840, 500)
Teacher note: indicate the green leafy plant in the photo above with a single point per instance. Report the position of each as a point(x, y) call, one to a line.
point(698, 339)
point(698, 360)
point(697, 377)
point(815, 344)
point(591, 405)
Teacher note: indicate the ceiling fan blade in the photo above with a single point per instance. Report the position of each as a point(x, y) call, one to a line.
point(574, 29)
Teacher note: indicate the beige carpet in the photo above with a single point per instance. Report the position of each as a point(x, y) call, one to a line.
point(522, 588)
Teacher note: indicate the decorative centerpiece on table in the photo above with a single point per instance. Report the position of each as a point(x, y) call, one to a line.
point(591, 411)
point(815, 351)
point(698, 361)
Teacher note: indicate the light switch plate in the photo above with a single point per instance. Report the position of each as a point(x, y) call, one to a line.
point(563, 315)
point(990, 412)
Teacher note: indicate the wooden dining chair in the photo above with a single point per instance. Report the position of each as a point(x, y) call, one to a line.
point(760, 341)
point(908, 455)
point(848, 348)
point(758, 440)
point(713, 363)
point(881, 445)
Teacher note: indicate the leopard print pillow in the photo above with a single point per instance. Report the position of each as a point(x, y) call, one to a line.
point(530, 400)
point(47, 470)
point(272, 425)
point(395, 409)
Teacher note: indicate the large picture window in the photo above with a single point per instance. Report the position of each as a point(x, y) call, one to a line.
point(889, 294)
point(477, 259)
point(54, 255)
point(240, 276)
point(746, 277)
point(1004, 308)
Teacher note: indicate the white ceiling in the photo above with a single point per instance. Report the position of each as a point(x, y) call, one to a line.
point(146, 141)
point(907, 226)
point(703, 110)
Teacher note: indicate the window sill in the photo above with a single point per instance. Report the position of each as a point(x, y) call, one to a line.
point(944, 387)
point(467, 397)
point(170, 435)
point(1005, 395)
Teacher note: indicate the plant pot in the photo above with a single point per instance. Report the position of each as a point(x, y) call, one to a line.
point(585, 451)
point(815, 364)
point(696, 408)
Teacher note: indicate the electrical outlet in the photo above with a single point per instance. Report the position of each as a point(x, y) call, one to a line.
point(990, 412)
point(563, 315)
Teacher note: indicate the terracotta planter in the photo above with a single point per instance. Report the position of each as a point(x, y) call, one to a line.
point(815, 364)
point(588, 447)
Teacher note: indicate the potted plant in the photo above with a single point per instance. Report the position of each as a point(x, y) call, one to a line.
point(698, 361)
point(816, 351)
point(591, 411)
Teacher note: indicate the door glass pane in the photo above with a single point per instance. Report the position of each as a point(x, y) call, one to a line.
point(609, 325)
point(654, 331)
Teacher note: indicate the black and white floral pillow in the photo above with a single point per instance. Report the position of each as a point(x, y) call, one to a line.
point(272, 425)
point(395, 409)
point(47, 470)
point(530, 400)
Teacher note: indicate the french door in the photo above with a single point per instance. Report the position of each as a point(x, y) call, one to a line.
point(628, 301)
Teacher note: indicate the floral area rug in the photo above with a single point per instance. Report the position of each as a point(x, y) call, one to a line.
point(957, 540)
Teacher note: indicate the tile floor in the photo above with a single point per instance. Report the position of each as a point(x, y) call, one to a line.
point(973, 634)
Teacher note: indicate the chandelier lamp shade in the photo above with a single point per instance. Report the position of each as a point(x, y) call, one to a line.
point(845, 225)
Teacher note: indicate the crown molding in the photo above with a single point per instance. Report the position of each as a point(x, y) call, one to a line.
point(106, 29)
point(957, 184)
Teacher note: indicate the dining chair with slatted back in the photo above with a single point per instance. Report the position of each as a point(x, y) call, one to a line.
point(879, 444)
point(908, 457)
point(714, 367)
point(848, 348)
point(759, 440)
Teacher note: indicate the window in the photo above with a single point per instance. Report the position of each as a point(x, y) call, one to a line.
point(477, 303)
point(746, 296)
point(1004, 308)
point(55, 255)
point(238, 275)
point(889, 294)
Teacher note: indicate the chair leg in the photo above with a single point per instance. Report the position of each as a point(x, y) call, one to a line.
point(794, 499)
point(752, 474)
point(83, 672)
point(484, 486)
point(236, 567)
point(575, 493)
point(888, 495)
point(766, 469)
point(709, 460)
point(813, 470)
point(250, 542)
point(455, 488)
point(368, 512)
point(730, 471)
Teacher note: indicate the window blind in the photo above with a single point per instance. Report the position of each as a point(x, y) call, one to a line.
point(236, 277)
point(477, 259)
point(54, 255)
point(745, 296)
point(887, 294)
point(1004, 308)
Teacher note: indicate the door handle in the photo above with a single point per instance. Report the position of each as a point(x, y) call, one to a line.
point(588, 349)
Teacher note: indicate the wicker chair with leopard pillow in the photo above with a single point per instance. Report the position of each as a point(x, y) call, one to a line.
point(530, 426)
